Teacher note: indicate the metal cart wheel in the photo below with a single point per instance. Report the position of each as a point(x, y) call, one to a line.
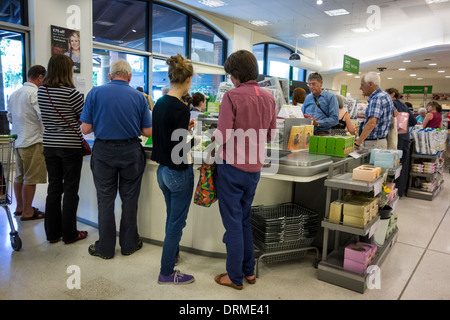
point(16, 242)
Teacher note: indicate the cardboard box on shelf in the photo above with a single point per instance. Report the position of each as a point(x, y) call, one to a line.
point(336, 211)
point(366, 173)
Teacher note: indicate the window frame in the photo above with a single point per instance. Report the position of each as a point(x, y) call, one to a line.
point(265, 70)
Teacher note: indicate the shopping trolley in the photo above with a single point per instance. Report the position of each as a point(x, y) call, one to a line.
point(6, 168)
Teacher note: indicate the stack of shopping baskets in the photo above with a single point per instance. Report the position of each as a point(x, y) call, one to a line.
point(283, 232)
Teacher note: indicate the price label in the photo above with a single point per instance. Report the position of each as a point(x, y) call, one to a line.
point(377, 187)
point(397, 172)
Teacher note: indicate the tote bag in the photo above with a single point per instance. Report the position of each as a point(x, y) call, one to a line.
point(205, 192)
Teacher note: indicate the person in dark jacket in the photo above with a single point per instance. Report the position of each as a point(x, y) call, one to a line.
point(403, 142)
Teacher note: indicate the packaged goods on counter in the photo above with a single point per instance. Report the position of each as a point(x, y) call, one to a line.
point(336, 146)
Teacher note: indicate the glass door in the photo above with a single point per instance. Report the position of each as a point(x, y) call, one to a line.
point(12, 64)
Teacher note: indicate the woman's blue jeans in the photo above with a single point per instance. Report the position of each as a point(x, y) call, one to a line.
point(178, 188)
point(235, 191)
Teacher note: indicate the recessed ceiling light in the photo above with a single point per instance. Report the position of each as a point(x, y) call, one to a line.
point(433, 64)
point(389, 78)
point(349, 74)
point(447, 76)
point(401, 69)
point(337, 12)
point(213, 3)
point(419, 78)
point(435, 1)
point(406, 61)
point(310, 35)
point(413, 75)
point(360, 30)
point(319, 2)
point(260, 23)
point(441, 71)
point(357, 77)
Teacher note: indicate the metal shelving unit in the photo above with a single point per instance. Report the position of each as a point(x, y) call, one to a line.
point(330, 268)
point(417, 192)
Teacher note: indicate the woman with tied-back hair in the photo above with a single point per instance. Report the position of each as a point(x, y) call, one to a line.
point(62, 149)
point(175, 174)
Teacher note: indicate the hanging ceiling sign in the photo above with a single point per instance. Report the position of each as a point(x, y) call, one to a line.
point(351, 64)
point(418, 89)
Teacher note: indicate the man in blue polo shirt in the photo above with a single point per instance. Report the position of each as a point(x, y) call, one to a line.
point(118, 115)
point(378, 113)
point(320, 105)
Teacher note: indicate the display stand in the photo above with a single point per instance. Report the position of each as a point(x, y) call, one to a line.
point(436, 177)
point(330, 268)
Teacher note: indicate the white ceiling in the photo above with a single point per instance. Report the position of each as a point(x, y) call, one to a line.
point(407, 29)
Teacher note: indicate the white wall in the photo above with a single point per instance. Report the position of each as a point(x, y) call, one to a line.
point(44, 13)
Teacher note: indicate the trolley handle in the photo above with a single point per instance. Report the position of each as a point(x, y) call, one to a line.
point(8, 136)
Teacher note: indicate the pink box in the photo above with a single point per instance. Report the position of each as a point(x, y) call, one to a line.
point(373, 248)
point(360, 254)
point(354, 266)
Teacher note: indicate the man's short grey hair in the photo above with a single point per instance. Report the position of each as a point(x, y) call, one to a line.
point(315, 76)
point(121, 68)
point(372, 77)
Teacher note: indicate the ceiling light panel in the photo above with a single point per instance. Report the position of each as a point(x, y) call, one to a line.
point(213, 3)
point(310, 35)
point(360, 30)
point(260, 23)
point(337, 12)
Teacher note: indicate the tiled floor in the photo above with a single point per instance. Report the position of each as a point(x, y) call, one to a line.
point(416, 268)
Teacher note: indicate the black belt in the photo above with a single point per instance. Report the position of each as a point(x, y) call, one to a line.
point(375, 139)
point(118, 141)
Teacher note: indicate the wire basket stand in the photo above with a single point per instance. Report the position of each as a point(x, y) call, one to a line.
point(283, 232)
point(7, 143)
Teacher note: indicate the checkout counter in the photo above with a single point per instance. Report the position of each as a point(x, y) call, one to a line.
point(299, 178)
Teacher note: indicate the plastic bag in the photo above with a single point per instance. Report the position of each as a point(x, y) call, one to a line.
point(402, 122)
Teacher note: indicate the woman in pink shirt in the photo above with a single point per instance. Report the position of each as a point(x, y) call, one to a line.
point(247, 120)
point(433, 119)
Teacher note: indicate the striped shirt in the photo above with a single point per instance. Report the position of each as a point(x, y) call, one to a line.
point(69, 102)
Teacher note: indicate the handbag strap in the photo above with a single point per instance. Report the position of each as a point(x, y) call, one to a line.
point(81, 138)
point(317, 103)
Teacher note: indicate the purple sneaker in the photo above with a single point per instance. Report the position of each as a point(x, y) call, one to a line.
point(176, 278)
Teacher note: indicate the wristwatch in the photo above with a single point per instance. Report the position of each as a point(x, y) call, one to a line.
point(357, 144)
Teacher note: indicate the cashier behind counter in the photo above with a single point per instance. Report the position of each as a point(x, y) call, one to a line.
point(320, 105)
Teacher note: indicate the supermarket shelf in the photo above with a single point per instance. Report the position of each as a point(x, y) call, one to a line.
point(419, 194)
point(332, 270)
point(345, 181)
point(349, 229)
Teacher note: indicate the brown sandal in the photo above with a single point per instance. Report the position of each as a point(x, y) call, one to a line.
point(232, 285)
point(250, 281)
point(81, 235)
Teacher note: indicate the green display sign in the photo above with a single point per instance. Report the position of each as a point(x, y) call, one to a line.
point(351, 65)
point(417, 89)
point(343, 90)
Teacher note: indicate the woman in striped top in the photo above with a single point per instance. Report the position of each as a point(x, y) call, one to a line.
point(58, 98)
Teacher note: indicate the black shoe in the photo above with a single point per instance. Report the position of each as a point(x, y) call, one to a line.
point(138, 246)
point(94, 253)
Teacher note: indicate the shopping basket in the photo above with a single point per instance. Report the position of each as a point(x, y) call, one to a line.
point(6, 171)
point(283, 232)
